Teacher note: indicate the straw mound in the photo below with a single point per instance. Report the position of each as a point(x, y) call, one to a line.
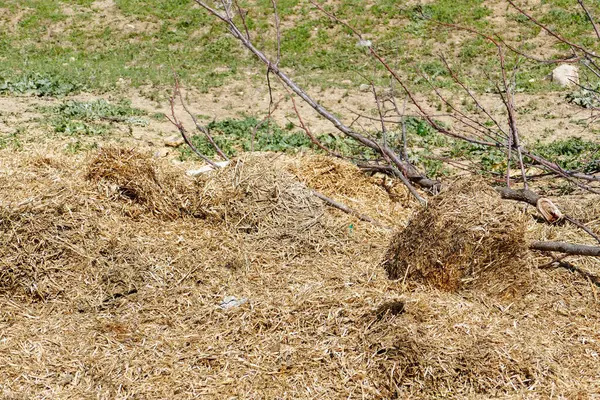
point(64, 225)
point(254, 196)
point(446, 346)
point(132, 173)
point(380, 198)
point(104, 297)
point(326, 173)
point(132, 176)
point(54, 227)
point(32, 241)
point(466, 236)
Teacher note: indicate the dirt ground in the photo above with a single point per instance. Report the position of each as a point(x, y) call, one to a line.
point(544, 117)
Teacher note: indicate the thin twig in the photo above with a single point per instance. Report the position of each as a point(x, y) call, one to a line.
point(348, 210)
point(264, 120)
point(173, 119)
point(242, 15)
point(552, 33)
point(202, 129)
point(559, 262)
point(582, 226)
point(278, 32)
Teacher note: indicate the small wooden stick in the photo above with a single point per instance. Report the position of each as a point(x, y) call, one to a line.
point(568, 248)
point(348, 210)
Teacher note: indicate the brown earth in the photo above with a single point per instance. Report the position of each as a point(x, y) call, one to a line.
point(544, 117)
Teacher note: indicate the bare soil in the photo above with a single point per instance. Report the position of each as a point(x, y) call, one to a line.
point(544, 117)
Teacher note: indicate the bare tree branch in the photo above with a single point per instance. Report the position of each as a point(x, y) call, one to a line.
point(410, 171)
point(201, 128)
point(551, 32)
point(278, 32)
point(348, 210)
point(173, 119)
point(568, 248)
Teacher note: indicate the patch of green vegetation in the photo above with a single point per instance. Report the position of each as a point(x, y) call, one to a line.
point(12, 140)
point(234, 136)
point(451, 11)
point(92, 118)
point(79, 128)
point(569, 154)
point(488, 160)
point(423, 145)
point(40, 13)
point(470, 49)
point(572, 154)
point(75, 51)
point(100, 109)
point(78, 146)
point(567, 18)
point(162, 36)
point(586, 97)
point(38, 85)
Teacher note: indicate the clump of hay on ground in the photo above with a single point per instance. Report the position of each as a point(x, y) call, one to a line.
point(466, 235)
point(134, 176)
point(330, 174)
point(445, 346)
point(255, 196)
point(133, 173)
point(383, 199)
point(95, 302)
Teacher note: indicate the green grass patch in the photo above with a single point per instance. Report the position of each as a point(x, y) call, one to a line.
point(572, 154)
point(79, 146)
point(236, 135)
point(92, 118)
point(11, 140)
point(38, 85)
point(52, 52)
point(80, 52)
point(586, 97)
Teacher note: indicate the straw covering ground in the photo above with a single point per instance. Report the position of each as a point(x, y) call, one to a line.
point(114, 267)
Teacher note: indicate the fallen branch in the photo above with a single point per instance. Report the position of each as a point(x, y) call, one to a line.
point(529, 197)
point(348, 210)
point(568, 248)
point(524, 195)
point(573, 268)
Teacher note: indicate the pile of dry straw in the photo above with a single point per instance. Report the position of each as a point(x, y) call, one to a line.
point(466, 236)
point(113, 267)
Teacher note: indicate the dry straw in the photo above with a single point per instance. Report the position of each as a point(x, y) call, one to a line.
point(132, 176)
point(112, 270)
point(465, 236)
point(254, 196)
